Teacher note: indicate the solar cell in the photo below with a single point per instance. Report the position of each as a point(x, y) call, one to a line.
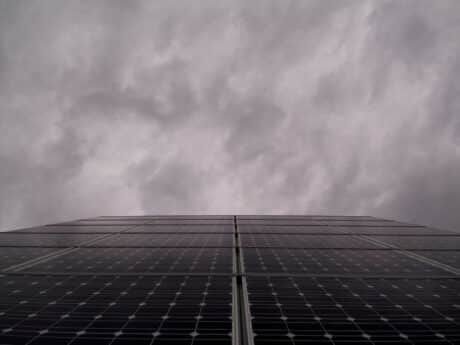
point(180, 228)
point(398, 231)
point(335, 261)
point(419, 242)
point(448, 257)
point(74, 229)
point(166, 240)
point(303, 241)
point(139, 260)
point(96, 222)
point(10, 256)
point(295, 229)
point(17, 239)
point(191, 221)
point(115, 310)
point(182, 280)
point(299, 310)
point(318, 222)
point(341, 230)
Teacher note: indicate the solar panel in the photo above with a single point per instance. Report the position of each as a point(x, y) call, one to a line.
point(449, 257)
point(115, 309)
point(181, 228)
point(365, 311)
point(95, 229)
point(295, 229)
point(10, 256)
point(420, 242)
point(16, 239)
point(335, 261)
point(239, 280)
point(416, 231)
point(166, 240)
point(303, 241)
point(139, 260)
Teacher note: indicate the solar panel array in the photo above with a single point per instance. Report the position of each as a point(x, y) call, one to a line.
point(230, 280)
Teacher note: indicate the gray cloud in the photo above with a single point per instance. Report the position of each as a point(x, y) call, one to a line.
point(115, 107)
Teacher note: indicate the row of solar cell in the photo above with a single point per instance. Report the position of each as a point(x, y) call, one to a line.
point(417, 242)
point(116, 240)
point(306, 222)
point(182, 217)
point(220, 260)
point(166, 240)
point(94, 222)
point(307, 217)
point(11, 256)
point(47, 240)
point(138, 260)
point(451, 242)
point(295, 310)
point(333, 261)
point(25, 239)
point(115, 310)
point(368, 230)
point(304, 241)
point(165, 228)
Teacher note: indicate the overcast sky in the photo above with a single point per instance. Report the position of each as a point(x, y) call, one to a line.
point(305, 107)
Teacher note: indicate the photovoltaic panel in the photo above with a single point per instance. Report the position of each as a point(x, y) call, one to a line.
point(340, 230)
point(166, 240)
point(338, 261)
point(17, 239)
point(181, 228)
point(448, 257)
point(148, 280)
point(164, 218)
point(10, 256)
point(297, 310)
point(419, 242)
point(391, 231)
point(297, 229)
point(304, 241)
point(139, 260)
point(312, 222)
point(96, 222)
point(115, 310)
point(75, 229)
point(242, 219)
point(191, 221)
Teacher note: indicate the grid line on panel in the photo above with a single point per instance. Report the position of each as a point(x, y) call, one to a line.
point(73, 309)
point(291, 262)
point(415, 256)
point(58, 253)
point(356, 310)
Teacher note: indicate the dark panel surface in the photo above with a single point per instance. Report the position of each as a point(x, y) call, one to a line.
point(417, 242)
point(10, 256)
point(150, 260)
point(354, 311)
point(167, 240)
point(45, 240)
point(115, 310)
point(330, 261)
point(448, 257)
point(181, 228)
point(303, 241)
point(295, 229)
point(168, 280)
point(65, 229)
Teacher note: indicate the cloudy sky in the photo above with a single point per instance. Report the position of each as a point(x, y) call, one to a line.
point(317, 107)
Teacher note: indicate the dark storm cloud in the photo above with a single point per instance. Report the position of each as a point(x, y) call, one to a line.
point(336, 107)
